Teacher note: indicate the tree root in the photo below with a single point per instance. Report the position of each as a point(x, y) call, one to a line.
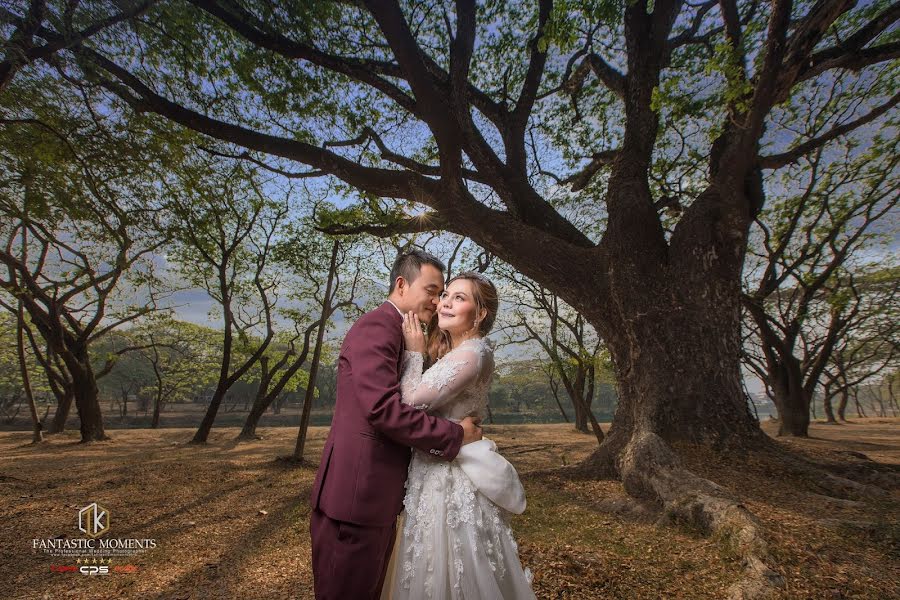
point(848, 488)
point(650, 470)
point(832, 502)
point(864, 479)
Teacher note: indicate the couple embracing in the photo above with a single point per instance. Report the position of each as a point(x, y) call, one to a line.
point(453, 540)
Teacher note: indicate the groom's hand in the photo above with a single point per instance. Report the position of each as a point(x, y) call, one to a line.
point(471, 430)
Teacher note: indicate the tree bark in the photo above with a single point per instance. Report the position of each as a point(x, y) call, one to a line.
point(157, 407)
point(554, 386)
point(791, 401)
point(859, 409)
point(666, 389)
point(210, 416)
point(223, 382)
point(86, 395)
point(578, 401)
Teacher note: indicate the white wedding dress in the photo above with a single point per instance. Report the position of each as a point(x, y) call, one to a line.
point(455, 542)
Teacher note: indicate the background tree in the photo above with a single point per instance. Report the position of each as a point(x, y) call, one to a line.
point(69, 171)
point(325, 279)
point(317, 352)
point(183, 358)
point(21, 377)
point(226, 227)
point(125, 380)
point(869, 347)
point(570, 344)
point(808, 241)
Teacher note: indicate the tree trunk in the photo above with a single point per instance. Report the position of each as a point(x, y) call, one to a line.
point(554, 387)
point(791, 400)
point(157, 401)
point(859, 409)
point(666, 390)
point(317, 355)
point(260, 405)
point(206, 424)
point(876, 397)
point(37, 428)
point(157, 408)
point(87, 400)
point(842, 405)
point(683, 389)
point(673, 328)
point(582, 402)
point(674, 335)
point(63, 408)
point(260, 401)
point(581, 407)
point(829, 409)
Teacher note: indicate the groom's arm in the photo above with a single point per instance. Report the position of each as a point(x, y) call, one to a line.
point(373, 363)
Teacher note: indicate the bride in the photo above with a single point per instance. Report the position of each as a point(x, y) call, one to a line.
point(456, 542)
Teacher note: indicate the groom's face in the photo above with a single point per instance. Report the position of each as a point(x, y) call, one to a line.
point(422, 294)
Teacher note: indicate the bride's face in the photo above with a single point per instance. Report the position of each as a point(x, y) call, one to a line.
point(457, 310)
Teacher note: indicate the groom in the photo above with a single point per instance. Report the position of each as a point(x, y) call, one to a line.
point(359, 487)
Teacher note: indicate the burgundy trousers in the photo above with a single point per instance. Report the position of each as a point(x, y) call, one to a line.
point(349, 561)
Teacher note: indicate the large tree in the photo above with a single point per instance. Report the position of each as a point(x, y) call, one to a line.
point(662, 117)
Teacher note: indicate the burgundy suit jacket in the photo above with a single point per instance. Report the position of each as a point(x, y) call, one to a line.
point(362, 475)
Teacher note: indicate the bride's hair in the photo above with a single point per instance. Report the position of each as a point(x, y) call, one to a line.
point(486, 299)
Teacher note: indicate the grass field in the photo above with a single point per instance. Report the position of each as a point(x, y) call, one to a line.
point(231, 521)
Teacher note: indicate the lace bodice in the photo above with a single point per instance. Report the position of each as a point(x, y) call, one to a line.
point(456, 386)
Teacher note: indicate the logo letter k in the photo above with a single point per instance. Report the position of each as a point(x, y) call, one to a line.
point(98, 519)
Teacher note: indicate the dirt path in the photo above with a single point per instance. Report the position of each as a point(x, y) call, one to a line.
point(230, 521)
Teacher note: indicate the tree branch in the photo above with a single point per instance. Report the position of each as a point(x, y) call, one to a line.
point(581, 179)
point(853, 61)
point(611, 77)
point(776, 161)
point(430, 221)
point(365, 71)
point(21, 50)
point(381, 182)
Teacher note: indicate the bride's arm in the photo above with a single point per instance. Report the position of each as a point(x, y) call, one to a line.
point(411, 375)
point(443, 381)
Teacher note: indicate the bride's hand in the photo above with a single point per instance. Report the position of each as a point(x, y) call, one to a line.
point(412, 333)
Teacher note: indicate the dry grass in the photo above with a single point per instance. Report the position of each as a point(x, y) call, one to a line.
point(202, 505)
